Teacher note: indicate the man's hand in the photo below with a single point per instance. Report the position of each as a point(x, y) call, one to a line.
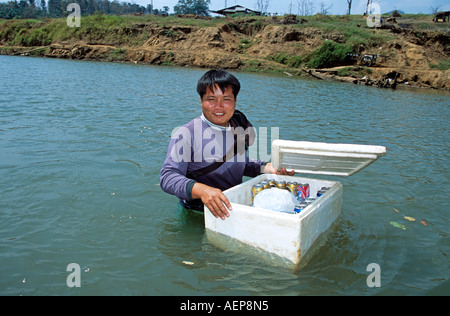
point(283, 172)
point(213, 198)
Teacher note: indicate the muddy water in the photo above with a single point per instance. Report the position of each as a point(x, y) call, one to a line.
point(82, 144)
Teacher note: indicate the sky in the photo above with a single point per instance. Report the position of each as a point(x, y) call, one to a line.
point(337, 6)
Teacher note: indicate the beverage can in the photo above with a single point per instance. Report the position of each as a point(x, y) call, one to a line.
point(320, 193)
point(265, 184)
point(257, 188)
point(303, 191)
point(280, 184)
point(300, 207)
point(292, 186)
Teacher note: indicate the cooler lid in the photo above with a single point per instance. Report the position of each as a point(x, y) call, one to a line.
point(323, 158)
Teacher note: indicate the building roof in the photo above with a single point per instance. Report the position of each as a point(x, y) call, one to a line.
point(236, 9)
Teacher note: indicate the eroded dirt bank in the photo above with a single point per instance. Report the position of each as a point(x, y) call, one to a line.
point(405, 56)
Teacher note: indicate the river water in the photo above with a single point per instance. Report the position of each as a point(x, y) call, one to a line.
point(82, 144)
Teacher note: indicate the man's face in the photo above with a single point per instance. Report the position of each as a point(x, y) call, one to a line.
point(218, 107)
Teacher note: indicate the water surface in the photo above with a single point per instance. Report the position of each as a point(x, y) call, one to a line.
point(82, 144)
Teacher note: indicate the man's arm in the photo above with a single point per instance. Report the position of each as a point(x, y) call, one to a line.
point(173, 178)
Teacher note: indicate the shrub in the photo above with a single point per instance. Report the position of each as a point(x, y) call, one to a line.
point(329, 54)
point(117, 54)
point(291, 61)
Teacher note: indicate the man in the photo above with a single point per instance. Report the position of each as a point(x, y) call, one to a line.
point(210, 154)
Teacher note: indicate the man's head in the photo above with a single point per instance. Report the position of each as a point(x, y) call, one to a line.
point(218, 90)
point(221, 78)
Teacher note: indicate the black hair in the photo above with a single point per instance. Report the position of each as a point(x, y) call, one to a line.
point(220, 77)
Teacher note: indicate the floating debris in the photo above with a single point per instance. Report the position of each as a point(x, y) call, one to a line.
point(188, 263)
point(395, 224)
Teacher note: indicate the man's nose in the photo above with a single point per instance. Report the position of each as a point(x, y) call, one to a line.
point(220, 102)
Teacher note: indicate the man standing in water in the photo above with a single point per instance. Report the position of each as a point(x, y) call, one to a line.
point(209, 154)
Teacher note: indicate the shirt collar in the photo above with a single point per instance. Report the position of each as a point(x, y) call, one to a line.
point(221, 128)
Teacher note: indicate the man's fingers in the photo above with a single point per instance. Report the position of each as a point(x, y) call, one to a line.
point(284, 172)
point(219, 209)
point(226, 202)
point(214, 199)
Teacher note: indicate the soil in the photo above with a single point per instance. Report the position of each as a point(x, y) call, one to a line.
point(247, 45)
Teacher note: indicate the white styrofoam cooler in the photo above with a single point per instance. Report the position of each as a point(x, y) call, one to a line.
point(291, 235)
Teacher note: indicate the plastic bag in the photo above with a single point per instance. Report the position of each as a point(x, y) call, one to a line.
point(277, 200)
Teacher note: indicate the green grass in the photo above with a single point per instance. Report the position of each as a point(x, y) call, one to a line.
point(295, 61)
point(353, 28)
point(118, 54)
point(329, 54)
point(354, 71)
point(350, 33)
point(442, 65)
point(100, 28)
point(110, 29)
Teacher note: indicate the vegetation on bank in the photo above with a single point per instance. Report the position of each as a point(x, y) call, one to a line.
point(120, 31)
point(107, 29)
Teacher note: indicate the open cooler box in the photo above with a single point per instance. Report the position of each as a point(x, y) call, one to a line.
point(291, 235)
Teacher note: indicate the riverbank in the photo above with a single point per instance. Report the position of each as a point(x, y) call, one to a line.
point(414, 51)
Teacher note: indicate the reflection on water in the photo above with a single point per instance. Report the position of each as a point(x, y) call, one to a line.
point(82, 145)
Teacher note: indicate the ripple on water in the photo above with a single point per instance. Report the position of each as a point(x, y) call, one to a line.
point(79, 175)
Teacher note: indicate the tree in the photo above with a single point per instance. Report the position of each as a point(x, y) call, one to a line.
point(435, 10)
point(369, 6)
point(324, 9)
point(199, 7)
point(262, 5)
point(305, 7)
point(349, 2)
point(54, 8)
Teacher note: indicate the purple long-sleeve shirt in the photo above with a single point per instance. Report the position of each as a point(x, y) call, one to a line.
point(197, 145)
